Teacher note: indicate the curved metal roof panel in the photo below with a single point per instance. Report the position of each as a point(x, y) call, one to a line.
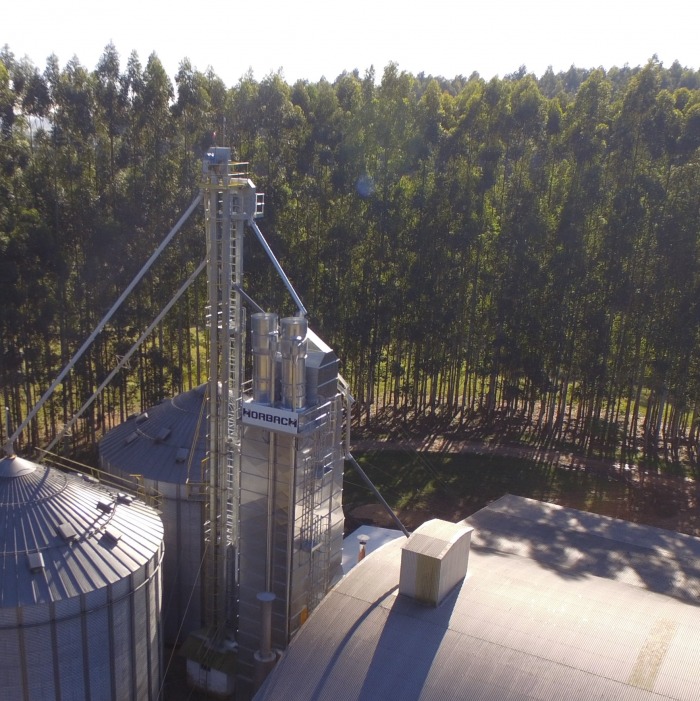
point(61, 536)
point(557, 604)
point(165, 443)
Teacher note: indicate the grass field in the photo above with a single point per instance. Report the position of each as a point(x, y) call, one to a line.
point(423, 485)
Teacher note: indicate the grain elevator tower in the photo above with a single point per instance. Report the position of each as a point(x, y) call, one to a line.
point(273, 471)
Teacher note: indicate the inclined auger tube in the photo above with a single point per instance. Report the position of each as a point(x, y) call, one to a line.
point(278, 267)
point(377, 494)
point(125, 358)
point(103, 323)
point(345, 391)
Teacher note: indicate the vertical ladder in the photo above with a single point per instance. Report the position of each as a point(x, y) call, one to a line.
point(224, 270)
point(230, 202)
point(315, 506)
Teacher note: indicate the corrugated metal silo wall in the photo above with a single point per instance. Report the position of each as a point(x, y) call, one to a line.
point(103, 644)
point(182, 516)
point(135, 447)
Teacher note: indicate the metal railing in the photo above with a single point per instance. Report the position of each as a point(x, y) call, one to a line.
point(134, 485)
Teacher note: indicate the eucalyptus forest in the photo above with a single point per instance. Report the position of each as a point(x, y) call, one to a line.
point(521, 249)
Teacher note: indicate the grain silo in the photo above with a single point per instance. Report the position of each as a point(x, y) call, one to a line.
point(80, 589)
point(163, 448)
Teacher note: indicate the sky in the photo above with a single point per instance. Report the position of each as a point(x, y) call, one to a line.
point(322, 38)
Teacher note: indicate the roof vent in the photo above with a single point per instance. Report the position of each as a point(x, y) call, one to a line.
point(131, 438)
point(142, 417)
point(66, 531)
point(36, 562)
point(113, 534)
point(181, 454)
point(104, 505)
point(434, 560)
point(123, 498)
point(162, 435)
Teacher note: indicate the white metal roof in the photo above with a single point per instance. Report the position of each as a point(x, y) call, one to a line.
point(557, 604)
point(374, 538)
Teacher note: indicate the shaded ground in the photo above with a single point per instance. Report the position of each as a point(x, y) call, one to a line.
point(626, 492)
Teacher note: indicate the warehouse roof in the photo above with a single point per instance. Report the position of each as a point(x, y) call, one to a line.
point(557, 604)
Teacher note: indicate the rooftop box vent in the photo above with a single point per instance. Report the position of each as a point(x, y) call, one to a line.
point(131, 438)
point(36, 562)
point(112, 534)
point(105, 506)
point(142, 417)
point(181, 454)
point(162, 435)
point(434, 560)
point(66, 531)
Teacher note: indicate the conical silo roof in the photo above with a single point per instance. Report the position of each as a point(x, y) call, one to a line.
point(80, 588)
point(76, 535)
point(165, 443)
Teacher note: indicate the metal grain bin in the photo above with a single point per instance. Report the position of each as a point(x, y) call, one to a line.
point(80, 589)
point(164, 446)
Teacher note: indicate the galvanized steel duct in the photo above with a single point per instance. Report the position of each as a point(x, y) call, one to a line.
point(264, 346)
point(277, 266)
point(293, 347)
point(264, 658)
